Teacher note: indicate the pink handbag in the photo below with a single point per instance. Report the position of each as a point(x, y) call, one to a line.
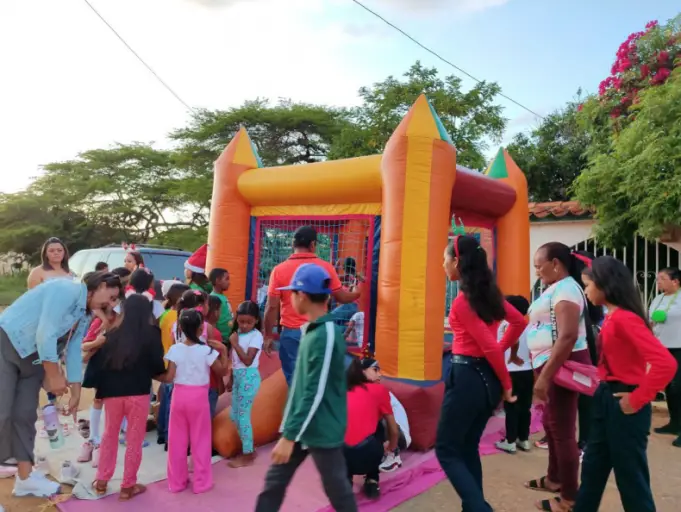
point(579, 377)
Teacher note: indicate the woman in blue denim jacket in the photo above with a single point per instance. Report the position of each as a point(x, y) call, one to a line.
point(29, 359)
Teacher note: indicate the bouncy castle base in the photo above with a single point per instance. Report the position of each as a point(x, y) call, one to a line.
point(240, 488)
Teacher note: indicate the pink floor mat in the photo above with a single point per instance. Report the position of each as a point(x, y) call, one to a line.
point(238, 489)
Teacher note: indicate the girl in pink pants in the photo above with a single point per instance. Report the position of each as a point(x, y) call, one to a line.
point(122, 371)
point(189, 366)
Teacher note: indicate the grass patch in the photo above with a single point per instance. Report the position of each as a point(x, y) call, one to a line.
point(11, 287)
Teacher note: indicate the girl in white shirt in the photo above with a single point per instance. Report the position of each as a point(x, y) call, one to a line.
point(246, 345)
point(190, 362)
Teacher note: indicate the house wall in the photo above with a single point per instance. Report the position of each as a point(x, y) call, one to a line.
point(568, 232)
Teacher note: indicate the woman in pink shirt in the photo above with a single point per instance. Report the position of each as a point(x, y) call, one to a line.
point(478, 379)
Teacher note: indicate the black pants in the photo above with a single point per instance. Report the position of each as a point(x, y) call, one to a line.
point(519, 413)
point(617, 442)
point(584, 418)
point(472, 392)
point(330, 463)
point(673, 392)
point(364, 458)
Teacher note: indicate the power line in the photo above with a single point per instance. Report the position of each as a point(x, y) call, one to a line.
point(437, 55)
point(149, 68)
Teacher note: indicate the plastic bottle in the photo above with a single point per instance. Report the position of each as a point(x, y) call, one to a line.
point(53, 427)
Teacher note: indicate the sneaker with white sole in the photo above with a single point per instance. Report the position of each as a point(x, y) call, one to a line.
point(391, 462)
point(68, 473)
point(505, 446)
point(524, 446)
point(86, 450)
point(37, 485)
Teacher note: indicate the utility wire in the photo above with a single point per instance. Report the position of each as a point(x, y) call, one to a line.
point(437, 55)
point(149, 68)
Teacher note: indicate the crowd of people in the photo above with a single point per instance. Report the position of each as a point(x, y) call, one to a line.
point(197, 347)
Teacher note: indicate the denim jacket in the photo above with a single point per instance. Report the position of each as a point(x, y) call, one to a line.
point(37, 319)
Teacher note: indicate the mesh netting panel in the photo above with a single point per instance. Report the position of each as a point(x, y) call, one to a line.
point(343, 242)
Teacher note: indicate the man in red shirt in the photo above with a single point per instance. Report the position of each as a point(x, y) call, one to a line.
point(279, 301)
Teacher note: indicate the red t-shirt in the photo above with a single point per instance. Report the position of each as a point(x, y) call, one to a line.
point(281, 276)
point(367, 404)
point(214, 379)
point(631, 354)
point(474, 338)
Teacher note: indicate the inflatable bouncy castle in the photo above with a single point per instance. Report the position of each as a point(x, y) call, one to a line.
point(385, 219)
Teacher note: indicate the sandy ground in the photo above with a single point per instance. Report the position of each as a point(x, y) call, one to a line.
point(504, 476)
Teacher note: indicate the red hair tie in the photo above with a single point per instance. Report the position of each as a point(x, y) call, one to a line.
point(584, 259)
point(149, 294)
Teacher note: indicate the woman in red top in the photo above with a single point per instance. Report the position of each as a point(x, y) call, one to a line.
point(478, 378)
point(365, 443)
point(633, 366)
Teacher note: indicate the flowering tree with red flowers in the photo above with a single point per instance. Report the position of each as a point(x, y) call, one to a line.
point(633, 175)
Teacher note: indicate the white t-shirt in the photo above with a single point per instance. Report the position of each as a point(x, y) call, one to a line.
point(193, 363)
point(401, 418)
point(540, 329)
point(358, 328)
point(523, 351)
point(252, 339)
point(669, 332)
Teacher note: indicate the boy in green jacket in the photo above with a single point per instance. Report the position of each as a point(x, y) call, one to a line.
point(316, 411)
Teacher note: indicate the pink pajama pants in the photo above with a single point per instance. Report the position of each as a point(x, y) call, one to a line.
point(136, 410)
point(189, 426)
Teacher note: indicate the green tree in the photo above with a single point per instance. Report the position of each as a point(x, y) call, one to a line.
point(28, 219)
point(552, 155)
point(471, 118)
point(636, 184)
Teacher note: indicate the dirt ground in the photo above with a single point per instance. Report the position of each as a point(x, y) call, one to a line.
point(504, 476)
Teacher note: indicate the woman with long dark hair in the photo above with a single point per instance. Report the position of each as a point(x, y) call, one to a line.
point(122, 371)
point(558, 333)
point(54, 263)
point(633, 366)
point(478, 378)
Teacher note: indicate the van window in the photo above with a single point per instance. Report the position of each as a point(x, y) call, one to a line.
point(116, 259)
point(165, 266)
point(94, 257)
point(76, 262)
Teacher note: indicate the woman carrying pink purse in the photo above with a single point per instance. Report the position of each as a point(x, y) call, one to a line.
point(557, 333)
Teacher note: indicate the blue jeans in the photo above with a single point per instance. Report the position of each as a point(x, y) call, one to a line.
point(472, 392)
point(165, 392)
point(289, 341)
point(213, 401)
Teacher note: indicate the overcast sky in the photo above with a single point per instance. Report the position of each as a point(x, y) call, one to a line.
point(68, 85)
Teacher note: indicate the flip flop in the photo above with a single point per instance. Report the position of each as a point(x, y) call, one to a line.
point(129, 493)
point(540, 485)
point(545, 505)
point(98, 488)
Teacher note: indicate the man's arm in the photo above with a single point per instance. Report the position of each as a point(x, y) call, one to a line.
point(340, 294)
point(270, 321)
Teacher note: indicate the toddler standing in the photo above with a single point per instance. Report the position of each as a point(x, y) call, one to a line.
point(246, 344)
point(190, 363)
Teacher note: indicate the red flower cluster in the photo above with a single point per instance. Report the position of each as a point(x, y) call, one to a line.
point(635, 67)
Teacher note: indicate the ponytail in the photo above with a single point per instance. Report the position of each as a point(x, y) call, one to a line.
point(189, 323)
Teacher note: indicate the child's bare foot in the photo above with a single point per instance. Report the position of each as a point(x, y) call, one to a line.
point(243, 460)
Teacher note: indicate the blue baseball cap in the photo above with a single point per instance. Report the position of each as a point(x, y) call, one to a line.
point(309, 278)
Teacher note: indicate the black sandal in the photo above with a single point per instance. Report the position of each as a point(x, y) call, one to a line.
point(545, 505)
point(540, 485)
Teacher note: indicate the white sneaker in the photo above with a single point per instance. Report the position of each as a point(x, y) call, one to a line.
point(525, 446)
point(505, 446)
point(68, 473)
point(35, 485)
point(391, 462)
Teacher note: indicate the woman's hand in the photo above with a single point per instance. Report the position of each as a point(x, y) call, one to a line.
point(508, 396)
point(74, 402)
point(516, 360)
point(541, 389)
point(625, 404)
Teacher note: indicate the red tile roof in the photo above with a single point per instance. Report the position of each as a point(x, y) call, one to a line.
point(559, 209)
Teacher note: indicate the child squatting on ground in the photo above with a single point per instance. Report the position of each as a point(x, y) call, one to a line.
point(315, 416)
point(246, 343)
point(190, 363)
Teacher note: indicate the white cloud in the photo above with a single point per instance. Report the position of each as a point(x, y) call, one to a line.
point(455, 5)
point(74, 86)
